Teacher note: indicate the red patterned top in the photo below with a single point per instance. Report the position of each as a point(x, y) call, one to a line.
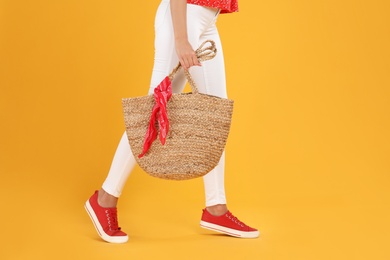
point(226, 6)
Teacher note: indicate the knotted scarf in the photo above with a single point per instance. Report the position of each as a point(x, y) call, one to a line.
point(162, 93)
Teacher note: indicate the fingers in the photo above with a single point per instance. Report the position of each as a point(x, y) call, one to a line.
point(195, 60)
point(186, 54)
point(189, 60)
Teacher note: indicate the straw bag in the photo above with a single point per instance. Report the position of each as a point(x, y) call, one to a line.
point(195, 137)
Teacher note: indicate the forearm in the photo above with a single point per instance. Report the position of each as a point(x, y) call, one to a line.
point(184, 50)
point(179, 19)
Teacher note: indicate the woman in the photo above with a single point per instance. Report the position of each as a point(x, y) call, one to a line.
point(180, 27)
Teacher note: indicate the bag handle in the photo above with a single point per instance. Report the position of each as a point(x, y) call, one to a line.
point(203, 54)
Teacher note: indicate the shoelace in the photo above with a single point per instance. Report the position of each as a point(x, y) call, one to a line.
point(112, 219)
point(235, 220)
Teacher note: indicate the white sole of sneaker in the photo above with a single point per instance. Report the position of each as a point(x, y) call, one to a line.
point(229, 231)
point(99, 228)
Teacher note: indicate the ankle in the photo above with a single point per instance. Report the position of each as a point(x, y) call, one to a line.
point(217, 210)
point(106, 200)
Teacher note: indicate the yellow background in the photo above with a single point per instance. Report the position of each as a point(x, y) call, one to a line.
point(307, 159)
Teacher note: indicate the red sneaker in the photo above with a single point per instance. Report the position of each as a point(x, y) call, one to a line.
point(105, 221)
point(227, 224)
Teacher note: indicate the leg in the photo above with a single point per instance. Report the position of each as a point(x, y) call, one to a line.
point(164, 61)
point(211, 79)
point(101, 207)
point(121, 167)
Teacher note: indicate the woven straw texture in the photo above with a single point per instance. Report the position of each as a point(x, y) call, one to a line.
point(199, 128)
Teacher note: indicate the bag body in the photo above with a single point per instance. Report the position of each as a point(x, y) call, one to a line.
point(198, 131)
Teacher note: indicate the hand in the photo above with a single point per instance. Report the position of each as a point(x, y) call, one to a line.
point(186, 54)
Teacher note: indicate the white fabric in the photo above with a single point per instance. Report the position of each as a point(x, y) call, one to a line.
point(210, 79)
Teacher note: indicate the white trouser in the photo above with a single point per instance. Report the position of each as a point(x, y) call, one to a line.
point(210, 79)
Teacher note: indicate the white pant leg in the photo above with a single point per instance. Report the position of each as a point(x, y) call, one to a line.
point(210, 79)
point(121, 167)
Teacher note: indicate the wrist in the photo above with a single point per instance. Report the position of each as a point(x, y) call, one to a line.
point(180, 39)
